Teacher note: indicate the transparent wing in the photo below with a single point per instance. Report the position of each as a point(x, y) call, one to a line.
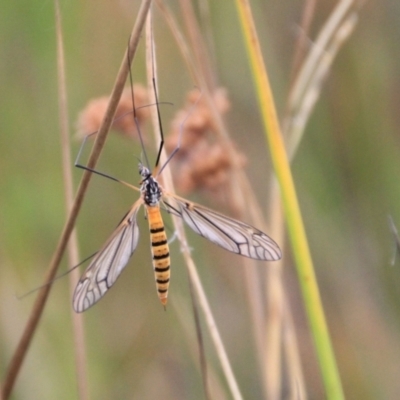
point(108, 263)
point(226, 232)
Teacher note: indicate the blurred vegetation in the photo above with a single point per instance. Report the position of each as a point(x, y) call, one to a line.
point(345, 172)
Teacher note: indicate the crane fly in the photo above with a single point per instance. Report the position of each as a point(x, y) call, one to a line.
point(108, 263)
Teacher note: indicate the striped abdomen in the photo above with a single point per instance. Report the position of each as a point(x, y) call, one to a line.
point(160, 251)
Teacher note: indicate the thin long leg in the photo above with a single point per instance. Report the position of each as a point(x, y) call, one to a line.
point(134, 112)
point(159, 124)
point(84, 167)
point(56, 278)
point(160, 121)
point(178, 146)
point(170, 209)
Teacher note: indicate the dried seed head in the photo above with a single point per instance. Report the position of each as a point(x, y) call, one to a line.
point(202, 162)
point(90, 118)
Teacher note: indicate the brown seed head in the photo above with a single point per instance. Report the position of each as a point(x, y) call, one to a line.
point(202, 162)
point(90, 118)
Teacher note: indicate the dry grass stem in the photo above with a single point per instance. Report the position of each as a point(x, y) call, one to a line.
point(307, 71)
point(238, 189)
point(279, 317)
point(199, 49)
point(299, 119)
point(200, 341)
point(241, 207)
point(207, 30)
point(302, 39)
point(72, 249)
point(180, 40)
point(296, 229)
point(277, 337)
point(210, 322)
point(193, 276)
point(217, 389)
point(297, 385)
point(396, 239)
point(41, 299)
point(243, 199)
point(294, 130)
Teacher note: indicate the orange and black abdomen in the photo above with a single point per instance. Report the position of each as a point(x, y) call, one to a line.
point(160, 251)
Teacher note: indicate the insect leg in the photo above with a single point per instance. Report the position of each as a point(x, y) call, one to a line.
point(178, 146)
point(84, 167)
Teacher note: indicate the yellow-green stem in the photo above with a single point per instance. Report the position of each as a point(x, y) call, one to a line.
point(295, 225)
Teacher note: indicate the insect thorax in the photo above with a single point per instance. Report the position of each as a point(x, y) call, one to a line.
point(149, 188)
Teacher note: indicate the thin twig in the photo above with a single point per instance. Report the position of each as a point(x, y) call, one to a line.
point(40, 302)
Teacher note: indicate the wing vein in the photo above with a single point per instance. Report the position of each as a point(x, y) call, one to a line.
point(109, 262)
point(232, 235)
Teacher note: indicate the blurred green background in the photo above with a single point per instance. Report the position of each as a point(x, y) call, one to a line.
point(346, 173)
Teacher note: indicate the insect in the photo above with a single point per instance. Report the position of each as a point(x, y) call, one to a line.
point(109, 262)
point(112, 258)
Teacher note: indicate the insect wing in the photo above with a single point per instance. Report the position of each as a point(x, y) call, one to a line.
point(108, 263)
point(228, 233)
